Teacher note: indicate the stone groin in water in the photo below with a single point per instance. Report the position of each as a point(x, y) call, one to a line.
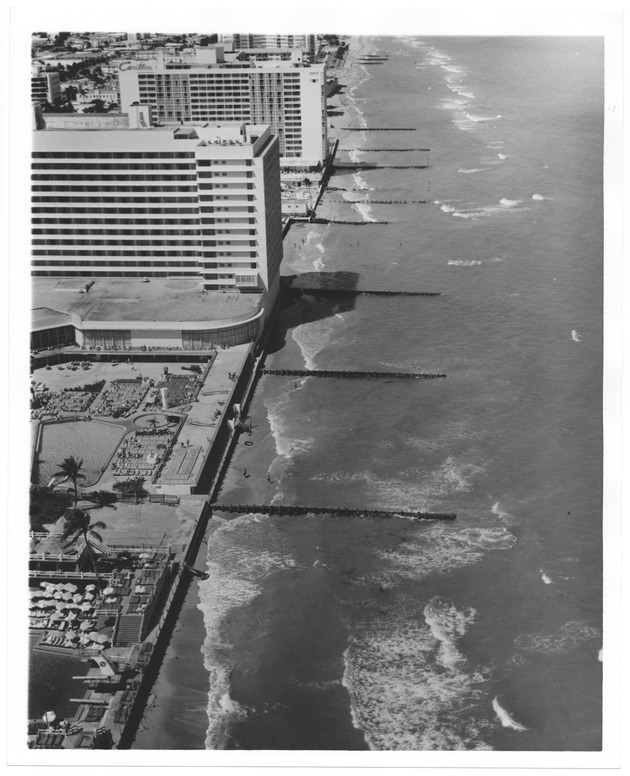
point(274, 509)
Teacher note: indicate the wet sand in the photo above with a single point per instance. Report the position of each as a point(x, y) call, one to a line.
point(176, 717)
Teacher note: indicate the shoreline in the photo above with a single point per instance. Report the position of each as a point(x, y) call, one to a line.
point(176, 716)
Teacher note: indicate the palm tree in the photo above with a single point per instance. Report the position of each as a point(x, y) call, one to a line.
point(71, 469)
point(77, 522)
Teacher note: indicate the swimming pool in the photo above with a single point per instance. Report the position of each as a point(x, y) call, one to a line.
point(93, 441)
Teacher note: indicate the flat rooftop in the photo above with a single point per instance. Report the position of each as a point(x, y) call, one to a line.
point(174, 300)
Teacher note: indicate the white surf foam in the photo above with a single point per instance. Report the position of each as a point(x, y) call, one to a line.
point(504, 207)
point(360, 182)
point(538, 197)
point(365, 211)
point(409, 684)
point(545, 578)
point(570, 636)
point(575, 336)
point(468, 172)
point(505, 718)
point(237, 561)
point(502, 157)
point(472, 262)
point(287, 446)
point(501, 513)
point(435, 550)
point(481, 119)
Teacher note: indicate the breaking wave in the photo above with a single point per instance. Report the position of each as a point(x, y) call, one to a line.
point(236, 569)
point(505, 718)
point(479, 119)
point(472, 262)
point(410, 687)
point(437, 550)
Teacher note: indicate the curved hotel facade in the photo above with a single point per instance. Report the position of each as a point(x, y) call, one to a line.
point(195, 207)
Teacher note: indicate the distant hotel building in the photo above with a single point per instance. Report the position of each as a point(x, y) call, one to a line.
point(45, 88)
point(197, 202)
point(289, 97)
point(251, 41)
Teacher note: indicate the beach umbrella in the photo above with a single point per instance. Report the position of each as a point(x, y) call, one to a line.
point(57, 595)
point(71, 587)
point(77, 598)
point(55, 616)
point(86, 606)
point(93, 635)
point(44, 584)
point(71, 616)
point(72, 636)
point(89, 597)
point(144, 555)
point(49, 717)
point(90, 587)
point(101, 638)
point(67, 596)
point(108, 591)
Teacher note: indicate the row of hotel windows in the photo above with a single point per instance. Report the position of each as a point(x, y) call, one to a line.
point(87, 263)
point(111, 166)
point(234, 162)
point(116, 229)
point(63, 273)
point(164, 265)
point(130, 241)
point(80, 252)
point(115, 211)
point(113, 155)
point(155, 199)
point(113, 177)
point(154, 189)
point(204, 251)
point(114, 223)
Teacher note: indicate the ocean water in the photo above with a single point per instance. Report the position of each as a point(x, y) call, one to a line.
point(485, 632)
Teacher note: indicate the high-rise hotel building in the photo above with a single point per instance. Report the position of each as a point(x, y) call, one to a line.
point(290, 97)
point(256, 40)
point(198, 202)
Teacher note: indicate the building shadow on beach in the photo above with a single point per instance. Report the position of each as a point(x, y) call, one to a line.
point(306, 300)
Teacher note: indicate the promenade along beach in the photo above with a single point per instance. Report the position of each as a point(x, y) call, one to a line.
point(363, 633)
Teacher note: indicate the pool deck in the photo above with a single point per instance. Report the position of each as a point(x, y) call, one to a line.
point(184, 467)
